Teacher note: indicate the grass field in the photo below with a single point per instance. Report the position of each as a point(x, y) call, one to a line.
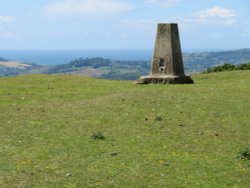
point(154, 135)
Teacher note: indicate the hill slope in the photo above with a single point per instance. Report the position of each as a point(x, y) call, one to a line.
point(14, 68)
point(201, 61)
point(130, 70)
point(2, 59)
point(155, 135)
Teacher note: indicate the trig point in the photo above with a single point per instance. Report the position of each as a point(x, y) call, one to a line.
point(167, 64)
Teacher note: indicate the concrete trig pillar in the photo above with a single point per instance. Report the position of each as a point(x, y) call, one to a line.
point(167, 64)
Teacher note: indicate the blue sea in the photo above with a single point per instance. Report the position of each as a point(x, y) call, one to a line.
point(56, 57)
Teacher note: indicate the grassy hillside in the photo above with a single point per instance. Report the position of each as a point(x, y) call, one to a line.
point(71, 131)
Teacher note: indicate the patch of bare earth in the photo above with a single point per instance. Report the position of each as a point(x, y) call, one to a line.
point(87, 72)
point(14, 64)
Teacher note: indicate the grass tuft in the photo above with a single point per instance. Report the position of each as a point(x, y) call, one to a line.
point(98, 136)
point(245, 154)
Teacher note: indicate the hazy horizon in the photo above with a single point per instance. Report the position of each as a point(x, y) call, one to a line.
point(55, 57)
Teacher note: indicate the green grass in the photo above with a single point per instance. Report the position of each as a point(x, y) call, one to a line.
point(155, 135)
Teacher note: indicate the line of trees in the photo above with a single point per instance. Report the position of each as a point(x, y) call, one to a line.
point(228, 67)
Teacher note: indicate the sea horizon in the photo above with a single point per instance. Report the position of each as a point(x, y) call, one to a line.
point(52, 57)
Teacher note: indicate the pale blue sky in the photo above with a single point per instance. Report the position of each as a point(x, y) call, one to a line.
point(122, 24)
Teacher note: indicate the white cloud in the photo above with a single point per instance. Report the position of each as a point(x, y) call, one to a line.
point(215, 12)
point(3, 33)
point(162, 3)
point(7, 35)
point(4, 19)
point(86, 7)
point(214, 15)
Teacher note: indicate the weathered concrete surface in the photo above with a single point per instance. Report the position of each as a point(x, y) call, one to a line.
point(164, 79)
point(167, 63)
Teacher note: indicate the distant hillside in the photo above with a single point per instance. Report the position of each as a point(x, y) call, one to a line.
point(13, 68)
point(2, 59)
point(201, 61)
point(131, 70)
point(104, 68)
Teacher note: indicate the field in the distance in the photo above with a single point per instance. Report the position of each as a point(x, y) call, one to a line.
point(155, 135)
